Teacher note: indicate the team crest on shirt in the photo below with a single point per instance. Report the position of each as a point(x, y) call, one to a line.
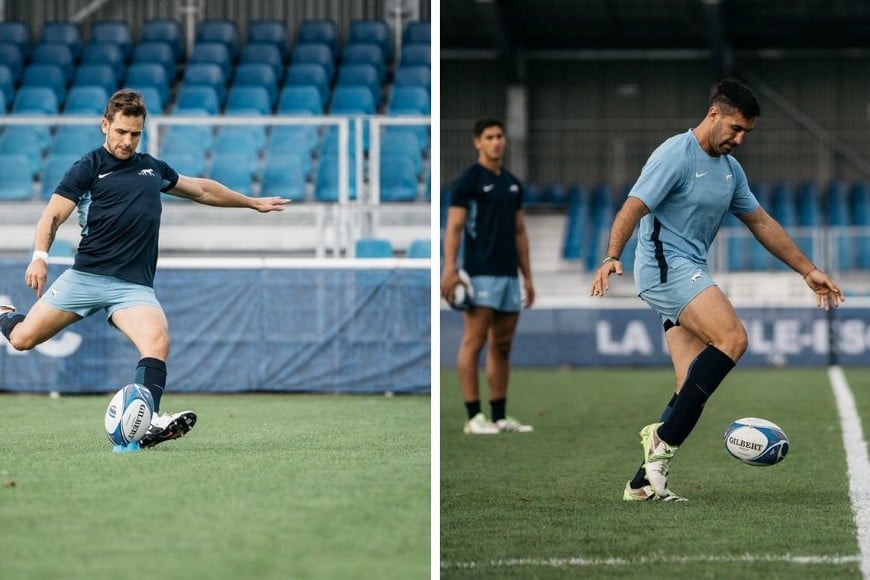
point(728, 178)
point(147, 172)
point(514, 188)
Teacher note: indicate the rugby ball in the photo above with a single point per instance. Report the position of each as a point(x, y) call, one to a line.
point(129, 415)
point(463, 292)
point(756, 441)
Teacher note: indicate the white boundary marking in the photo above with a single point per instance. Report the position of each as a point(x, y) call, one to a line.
point(857, 461)
point(587, 562)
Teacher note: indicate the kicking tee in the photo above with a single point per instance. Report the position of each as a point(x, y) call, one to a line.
point(490, 236)
point(119, 210)
point(688, 193)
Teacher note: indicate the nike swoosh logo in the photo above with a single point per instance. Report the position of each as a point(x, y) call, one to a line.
point(102, 175)
point(488, 188)
point(700, 174)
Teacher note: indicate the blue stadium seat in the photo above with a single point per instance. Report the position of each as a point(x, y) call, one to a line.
point(232, 170)
point(266, 31)
point(255, 134)
point(782, 204)
point(206, 74)
point(318, 32)
point(326, 185)
point(415, 55)
point(373, 248)
point(263, 53)
point(198, 97)
point(63, 31)
point(4, 106)
point(859, 203)
point(258, 75)
point(212, 53)
point(299, 139)
point(299, 98)
point(243, 144)
point(315, 54)
point(27, 142)
point(419, 249)
point(417, 32)
point(45, 75)
point(158, 53)
point(76, 139)
point(364, 75)
point(35, 100)
point(153, 101)
point(10, 56)
point(808, 204)
point(372, 32)
point(164, 30)
point(405, 144)
point(57, 54)
point(837, 204)
point(7, 85)
point(194, 139)
point(284, 176)
point(86, 100)
point(99, 75)
point(104, 54)
point(149, 75)
point(249, 98)
point(219, 30)
point(352, 101)
point(365, 54)
point(398, 178)
point(53, 169)
point(185, 163)
point(409, 99)
point(16, 32)
point(116, 32)
point(16, 178)
point(415, 76)
point(309, 74)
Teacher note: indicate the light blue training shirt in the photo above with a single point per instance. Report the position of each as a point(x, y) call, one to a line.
point(688, 193)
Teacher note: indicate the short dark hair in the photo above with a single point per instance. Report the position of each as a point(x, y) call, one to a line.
point(732, 95)
point(127, 102)
point(483, 124)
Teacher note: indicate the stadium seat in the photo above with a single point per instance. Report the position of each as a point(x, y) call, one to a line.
point(27, 141)
point(837, 204)
point(373, 248)
point(45, 75)
point(300, 139)
point(185, 163)
point(417, 32)
point(326, 185)
point(16, 178)
point(405, 144)
point(249, 98)
point(205, 74)
point(219, 30)
point(365, 75)
point(195, 139)
point(299, 98)
point(352, 101)
point(315, 54)
point(265, 31)
point(198, 97)
point(284, 176)
point(419, 249)
point(153, 101)
point(10, 57)
point(415, 55)
point(859, 203)
point(309, 74)
point(99, 75)
point(76, 139)
point(4, 106)
point(414, 76)
point(808, 204)
point(163, 30)
point(372, 32)
point(319, 32)
point(7, 85)
point(149, 75)
point(258, 75)
point(62, 31)
point(54, 53)
point(232, 170)
point(18, 33)
point(409, 99)
point(158, 53)
point(212, 53)
point(53, 169)
point(242, 144)
point(104, 54)
point(254, 134)
point(365, 54)
point(116, 32)
point(263, 53)
point(86, 100)
point(398, 178)
point(35, 100)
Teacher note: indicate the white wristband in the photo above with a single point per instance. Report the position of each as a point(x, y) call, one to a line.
point(40, 255)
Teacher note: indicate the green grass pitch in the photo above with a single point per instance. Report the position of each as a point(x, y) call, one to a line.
point(548, 504)
point(265, 486)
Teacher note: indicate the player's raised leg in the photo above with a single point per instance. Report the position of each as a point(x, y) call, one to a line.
point(42, 322)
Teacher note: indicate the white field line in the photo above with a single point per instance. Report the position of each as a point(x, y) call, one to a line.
point(580, 562)
point(856, 459)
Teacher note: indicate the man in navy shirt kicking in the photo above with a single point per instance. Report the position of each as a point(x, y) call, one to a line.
point(117, 194)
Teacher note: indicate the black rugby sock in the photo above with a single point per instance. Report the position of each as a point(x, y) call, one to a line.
point(499, 409)
point(640, 479)
point(8, 321)
point(151, 374)
point(472, 408)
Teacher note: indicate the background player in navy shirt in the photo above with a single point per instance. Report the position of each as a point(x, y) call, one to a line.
point(486, 214)
point(680, 199)
point(117, 194)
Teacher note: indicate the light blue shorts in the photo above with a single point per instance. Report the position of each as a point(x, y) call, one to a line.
point(685, 280)
point(84, 294)
point(501, 293)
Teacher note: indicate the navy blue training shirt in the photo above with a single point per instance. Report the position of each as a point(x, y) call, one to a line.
point(119, 211)
point(490, 236)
